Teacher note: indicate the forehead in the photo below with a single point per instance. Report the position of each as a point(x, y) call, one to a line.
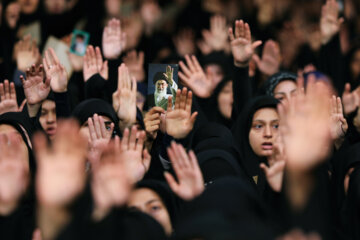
point(143, 195)
point(161, 82)
point(48, 104)
point(266, 114)
point(285, 86)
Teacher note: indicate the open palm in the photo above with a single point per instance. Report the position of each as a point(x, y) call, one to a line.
point(35, 89)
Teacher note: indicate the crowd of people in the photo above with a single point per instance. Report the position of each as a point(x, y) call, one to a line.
point(259, 139)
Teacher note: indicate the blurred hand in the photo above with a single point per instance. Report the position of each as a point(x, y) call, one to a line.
point(339, 124)
point(351, 100)
point(113, 40)
point(194, 77)
point(216, 38)
point(330, 22)
point(26, 53)
point(99, 137)
point(55, 71)
point(14, 173)
point(124, 99)
point(184, 42)
point(61, 166)
point(242, 47)
point(8, 99)
point(180, 121)
point(35, 88)
point(270, 61)
point(135, 64)
point(190, 182)
point(93, 64)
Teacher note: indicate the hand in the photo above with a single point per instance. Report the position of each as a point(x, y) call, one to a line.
point(270, 61)
point(275, 171)
point(35, 89)
point(137, 160)
point(339, 124)
point(61, 167)
point(135, 63)
point(55, 71)
point(14, 173)
point(305, 127)
point(111, 182)
point(180, 121)
point(216, 38)
point(351, 100)
point(190, 180)
point(204, 48)
point(184, 42)
point(330, 22)
point(241, 46)
point(113, 39)
point(152, 121)
point(195, 78)
point(93, 64)
point(169, 75)
point(26, 53)
point(8, 98)
point(99, 137)
point(124, 99)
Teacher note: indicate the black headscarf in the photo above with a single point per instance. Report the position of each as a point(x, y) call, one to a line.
point(167, 196)
point(241, 130)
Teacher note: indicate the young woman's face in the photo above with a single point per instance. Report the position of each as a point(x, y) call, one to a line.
point(263, 131)
point(24, 152)
point(148, 201)
point(355, 64)
point(55, 6)
point(28, 6)
point(284, 90)
point(225, 100)
point(48, 118)
point(84, 129)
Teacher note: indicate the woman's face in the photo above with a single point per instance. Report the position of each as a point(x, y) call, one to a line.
point(24, 152)
point(55, 6)
point(284, 90)
point(148, 201)
point(355, 64)
point(48, 118)
point(263, 131)
point(28, 6)
point(225, 100)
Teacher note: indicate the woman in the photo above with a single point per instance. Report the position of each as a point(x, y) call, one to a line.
point(156, 199)
point(281, 85)
point(255, 131)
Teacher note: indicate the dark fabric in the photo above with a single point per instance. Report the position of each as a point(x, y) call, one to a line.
point(271, 83)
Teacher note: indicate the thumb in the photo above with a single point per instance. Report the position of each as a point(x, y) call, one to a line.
point(256, 44)
point(257, 60)
point(264, 167)
point(347, 88)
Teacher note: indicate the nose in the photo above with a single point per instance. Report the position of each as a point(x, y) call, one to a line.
point(268, 132)
point(51, 118)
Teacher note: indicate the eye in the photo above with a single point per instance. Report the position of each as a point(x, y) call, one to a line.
point(280, 98)
point(276, 126)
point(257, 126)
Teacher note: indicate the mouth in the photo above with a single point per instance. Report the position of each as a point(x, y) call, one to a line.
point(267, 146)
point(51, 131)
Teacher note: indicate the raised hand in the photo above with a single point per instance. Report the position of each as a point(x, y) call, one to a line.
point(190, 182)
point(270, 61)
point(216, 38)
point(275, 171)
point(242, 47)
point(137, 160)
point(99, 137)
point(305, 127)
point(330, 22)
point(14, 172)
point(180, 121)
point(184, 42)
point(339, 124)
point(152, 121)
point(55, 71)
point(124, 99)
point(8, 101)
point(113, 39)
point(110, 182)
point(135, 63)
point(93, 64)
point(35, 88)
point(61, 167)
point(26, 53)
point(194, 77)
point(351, 100)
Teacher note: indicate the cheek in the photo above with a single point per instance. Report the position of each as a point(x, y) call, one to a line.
point(84, 131)
point(163, 218)
point(255, 138)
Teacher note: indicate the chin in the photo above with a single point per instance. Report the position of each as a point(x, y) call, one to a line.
point(266, 153)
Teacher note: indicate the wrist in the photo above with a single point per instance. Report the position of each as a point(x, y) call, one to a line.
point(241, 64)
point(7, 208)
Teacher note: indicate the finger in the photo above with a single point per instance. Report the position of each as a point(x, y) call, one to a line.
point(183, 97)
point(12, 91)
point(7, 89)
point(97, 125)
point(189, 102)
point(177, 156)
point(140, 141)
point(169, 106)
point(231, 34)
point(339, 106)
point(99, 59)
point(193, 161)
point(2, 92)
point(22, 105)
point(54, 57)
point(185, 69)
point(40, 146)
point(104, 132)
point(190, 63)
point(156, 110)
point(92, 132)
point(264, 168)
point(125, 140)
point(177, 99)
point(184, 78)
point(197, 65)
point(237, 28)
point(132, 140)
point(256, 44)
point(172, 183)
point(193, 118)
point(247, 32)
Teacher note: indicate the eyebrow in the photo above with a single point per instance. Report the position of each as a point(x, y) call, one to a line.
point(285, 93)
point(152, 201)
point(262, 121)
